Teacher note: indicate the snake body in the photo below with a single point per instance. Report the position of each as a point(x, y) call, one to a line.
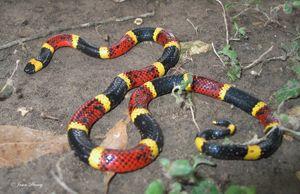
point(143, 95)
point(152, 84)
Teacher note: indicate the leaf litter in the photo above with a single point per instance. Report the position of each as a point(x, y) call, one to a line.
point(20, 145)
point(115, 138)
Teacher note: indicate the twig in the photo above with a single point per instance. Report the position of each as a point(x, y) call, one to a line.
point(195, 27)
point(193, 117)
point(279, 108)
point(242, 12)
point(46, 116)
point(85, 25)
point(290, 131)
point(59, 178)
point(212, 44)
point(234, 39)
point(15, 69)
point(282, 58)
point(258, 60)
point(256, 140)
point(270, 19)
point(63, 184)
point(225, 21)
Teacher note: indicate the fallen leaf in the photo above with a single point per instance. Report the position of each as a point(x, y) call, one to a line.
point(115, 138)
point(21, 144)
point(24, 110)
point(195, 47)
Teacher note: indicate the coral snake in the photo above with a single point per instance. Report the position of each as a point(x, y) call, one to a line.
point(152, 83)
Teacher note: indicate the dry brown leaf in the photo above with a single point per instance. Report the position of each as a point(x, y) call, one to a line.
point(116, 138)
point(108, 176)
point(195, 47)
point(21, 144)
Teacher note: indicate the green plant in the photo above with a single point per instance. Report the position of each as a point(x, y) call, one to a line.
point(290, 5)
point(185, 179)
point(239, 31)
point(234, 72)
point(292, 88)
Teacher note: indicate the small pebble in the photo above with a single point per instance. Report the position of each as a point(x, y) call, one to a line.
point(138, 21)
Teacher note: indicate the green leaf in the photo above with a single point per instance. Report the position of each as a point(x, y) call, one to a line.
point(175, 188)
point(290, 90)
point(206, 187)
point(235, 189)
point(296, 4)
point(242, 31)
point(201, 159)
point(292, 47)
point(284, 118)
point(156, 187)
point(287, 8)
point(165, 163)
point(236, 27)
point(296, 69)
point(180, 168)
point(227, 51)
point(234, 72)
point(228, 6)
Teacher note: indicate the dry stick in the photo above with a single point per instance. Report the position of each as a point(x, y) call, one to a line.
point(59, 178)
point(270, 19)
point(242, 12)
point(85, 25)
point(193, 117)
point(212, 44)
point(256, 140)
point(258, 60)
point(195, 27)
point(63, 184)
point(225, 21)
point(46, 116)
point(15, 69)
point(282, 58)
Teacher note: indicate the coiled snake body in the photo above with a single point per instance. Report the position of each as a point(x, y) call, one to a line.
point(151, 86)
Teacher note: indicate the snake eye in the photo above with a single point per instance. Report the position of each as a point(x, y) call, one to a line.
point(109, 158)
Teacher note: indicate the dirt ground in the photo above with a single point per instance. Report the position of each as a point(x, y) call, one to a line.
point(72, 78)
